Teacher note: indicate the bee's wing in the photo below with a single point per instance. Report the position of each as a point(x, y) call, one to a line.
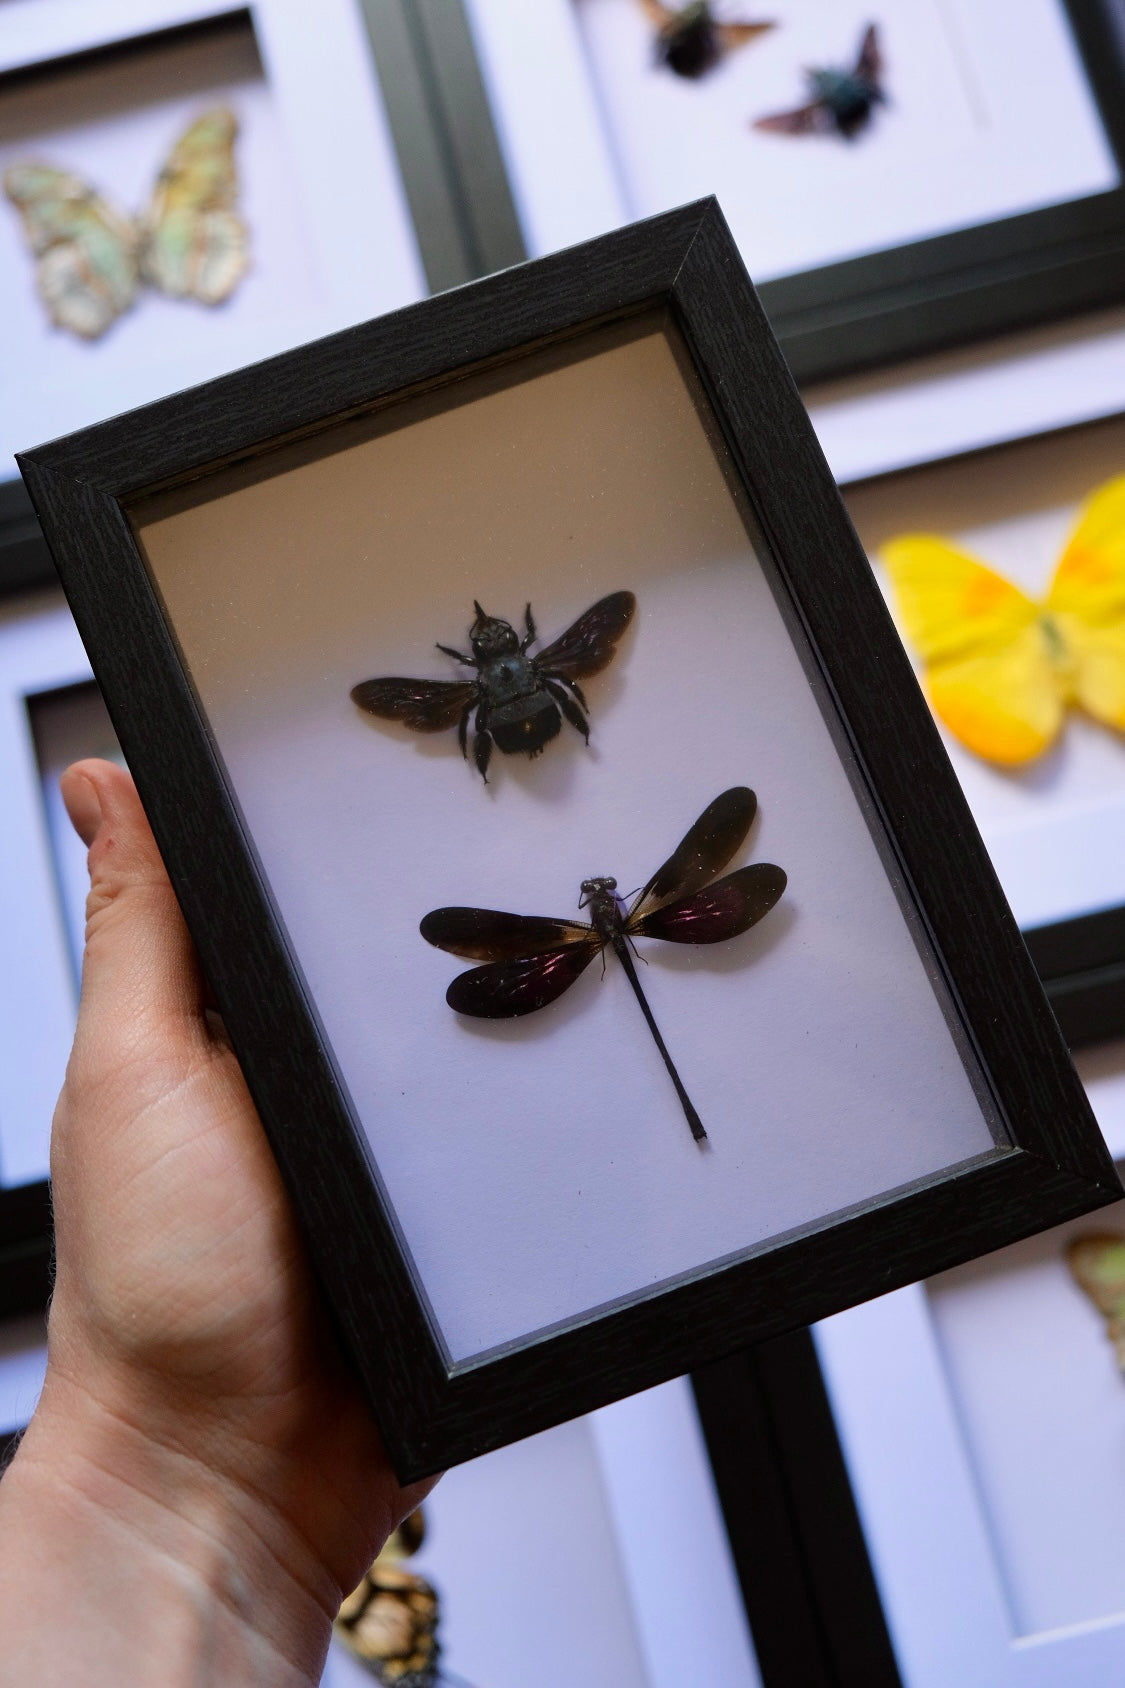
point(704, 851)
point(733, 35)
point(722, 910)
point(659, 16)
point(588, 645)
point(487, 934)
point(425, 706)
point(506, 989)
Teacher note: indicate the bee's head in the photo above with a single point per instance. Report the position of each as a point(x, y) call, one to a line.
point(490, 637)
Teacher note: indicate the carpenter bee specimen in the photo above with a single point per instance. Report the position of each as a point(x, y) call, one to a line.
point(530, 960)
point(520, 700)
point(690, 40)
point(842, 100)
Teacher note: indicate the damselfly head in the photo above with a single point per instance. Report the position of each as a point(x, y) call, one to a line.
point(592, 888)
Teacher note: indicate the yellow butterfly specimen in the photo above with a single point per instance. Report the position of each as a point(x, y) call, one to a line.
point(189, 243)
point(1097, 1264)
point(1000, 668)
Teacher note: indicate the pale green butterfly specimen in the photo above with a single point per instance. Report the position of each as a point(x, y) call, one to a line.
point(189, 242)
point(1097, 1264)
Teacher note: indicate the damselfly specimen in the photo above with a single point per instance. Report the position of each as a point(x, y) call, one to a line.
point(531, 960)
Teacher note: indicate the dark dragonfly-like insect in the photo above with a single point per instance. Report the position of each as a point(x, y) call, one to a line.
point(519, 699)
point(531, 960)
point(842, 100)
point(690, 40)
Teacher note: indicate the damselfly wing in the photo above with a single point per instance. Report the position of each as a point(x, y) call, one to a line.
point(530, 960)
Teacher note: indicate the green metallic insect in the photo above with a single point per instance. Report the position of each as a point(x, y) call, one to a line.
point(842, 101)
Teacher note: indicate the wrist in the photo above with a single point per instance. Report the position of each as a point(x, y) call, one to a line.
point(154, 1563)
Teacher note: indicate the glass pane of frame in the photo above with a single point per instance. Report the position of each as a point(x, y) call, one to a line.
point(540, 1168)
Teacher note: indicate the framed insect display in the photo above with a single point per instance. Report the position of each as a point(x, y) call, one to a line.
point(1006, 573)
point(886, 170)
point(184, 185)
point(509, 1213)
point(984, 1406)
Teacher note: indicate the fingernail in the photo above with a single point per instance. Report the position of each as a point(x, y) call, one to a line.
point(83, 804)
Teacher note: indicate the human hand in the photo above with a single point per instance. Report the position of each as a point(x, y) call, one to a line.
point(202, 1475)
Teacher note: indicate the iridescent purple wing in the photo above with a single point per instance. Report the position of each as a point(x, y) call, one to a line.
point(588, 645)
point(703, 852)
point(722, 910)
point(506, 989)
point(426, 706)
point(486, 934)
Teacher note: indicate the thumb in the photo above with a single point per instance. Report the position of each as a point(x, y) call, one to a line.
point(142, 991)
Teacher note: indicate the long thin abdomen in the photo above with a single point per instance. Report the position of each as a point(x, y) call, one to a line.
point(621, 950)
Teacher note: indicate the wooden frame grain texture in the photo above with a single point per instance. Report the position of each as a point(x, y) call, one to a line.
point(1053, 1163)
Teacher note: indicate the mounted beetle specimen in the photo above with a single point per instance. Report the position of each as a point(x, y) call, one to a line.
point(519, 699)
point(842, 101)
point(532, 960)
point(690, 40)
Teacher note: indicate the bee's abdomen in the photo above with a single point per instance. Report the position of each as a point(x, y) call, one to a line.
point(527, 723)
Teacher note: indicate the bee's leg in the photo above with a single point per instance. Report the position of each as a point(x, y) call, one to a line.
point(531, 635)
point(482, 742)
point(456, 655)
point(463, 730)
point(569, 708)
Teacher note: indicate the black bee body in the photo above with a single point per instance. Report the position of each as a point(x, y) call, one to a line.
point(689, 45)
point(516, 708)
point(516, 701)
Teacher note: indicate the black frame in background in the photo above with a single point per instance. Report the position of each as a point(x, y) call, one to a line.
point(795, 1535)
point(993, 278)
point(446, 149)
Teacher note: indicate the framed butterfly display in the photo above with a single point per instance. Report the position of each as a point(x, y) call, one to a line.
point(886, 169)
point(981, 1417)
point(522, 1200)
point(91, 259)
point(184, 186)
point(1006, 575)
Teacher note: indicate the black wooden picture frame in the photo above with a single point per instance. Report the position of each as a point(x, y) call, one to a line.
point(1048, 1161)
point(923, 296)
point(992, 278)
